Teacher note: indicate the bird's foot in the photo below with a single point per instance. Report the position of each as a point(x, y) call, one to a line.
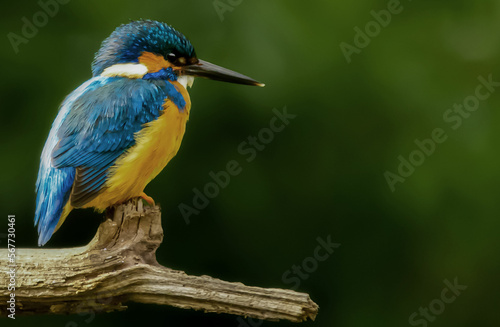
point(148, 199)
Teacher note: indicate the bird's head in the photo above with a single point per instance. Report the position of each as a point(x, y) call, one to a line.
point(149, 49)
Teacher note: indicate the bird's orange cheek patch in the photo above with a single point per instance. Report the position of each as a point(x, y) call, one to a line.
point(154, 62)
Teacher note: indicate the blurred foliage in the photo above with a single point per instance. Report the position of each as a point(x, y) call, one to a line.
point(322, 175)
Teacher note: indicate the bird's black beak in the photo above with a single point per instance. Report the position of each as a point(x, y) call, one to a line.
point(207, 70)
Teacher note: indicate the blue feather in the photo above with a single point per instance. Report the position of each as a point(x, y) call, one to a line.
point(164, 73)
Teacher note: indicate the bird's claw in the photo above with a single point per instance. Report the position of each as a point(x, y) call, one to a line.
point(148, 199)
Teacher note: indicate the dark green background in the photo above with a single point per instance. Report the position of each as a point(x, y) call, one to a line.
point(322, 175)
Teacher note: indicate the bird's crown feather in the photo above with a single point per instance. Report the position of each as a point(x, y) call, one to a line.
point(130, 40)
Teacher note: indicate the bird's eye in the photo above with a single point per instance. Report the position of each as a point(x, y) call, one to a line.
point(175, 59)
point(171, 57)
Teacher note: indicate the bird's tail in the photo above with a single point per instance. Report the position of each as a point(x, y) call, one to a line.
point(52, 201)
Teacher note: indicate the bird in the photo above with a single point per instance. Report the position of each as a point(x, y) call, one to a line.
point(119, 129)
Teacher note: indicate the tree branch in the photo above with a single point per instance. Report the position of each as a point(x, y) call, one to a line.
point(119, 265)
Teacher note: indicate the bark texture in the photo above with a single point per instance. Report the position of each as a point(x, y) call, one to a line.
point(119, 265)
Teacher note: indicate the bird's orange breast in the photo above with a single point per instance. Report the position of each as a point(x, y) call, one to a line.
point(156, 144)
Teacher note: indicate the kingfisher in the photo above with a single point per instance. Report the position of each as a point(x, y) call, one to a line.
point(118, 130)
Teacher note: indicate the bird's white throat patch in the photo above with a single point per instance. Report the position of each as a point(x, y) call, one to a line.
point(186, 81)
point(126, 70)
point(138, 71)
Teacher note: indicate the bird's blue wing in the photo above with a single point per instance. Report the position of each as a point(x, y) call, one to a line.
point(53, 186)
point(100, 127)
point(96, 124)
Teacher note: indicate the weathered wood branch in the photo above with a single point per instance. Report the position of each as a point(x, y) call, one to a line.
point(119, 265)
